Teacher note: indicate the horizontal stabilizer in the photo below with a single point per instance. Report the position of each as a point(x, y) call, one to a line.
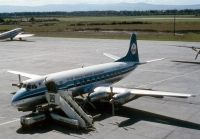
point(154, 60)
point(111, 56)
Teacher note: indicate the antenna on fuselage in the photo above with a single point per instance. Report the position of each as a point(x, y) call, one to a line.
point(19, 78)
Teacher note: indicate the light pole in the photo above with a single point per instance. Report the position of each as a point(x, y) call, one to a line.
point(174, 24)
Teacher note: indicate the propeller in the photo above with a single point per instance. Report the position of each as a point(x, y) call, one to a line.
point(87, 100)
point(19, 85)
point(112, 100)
point(195, 49)
point(90, 103)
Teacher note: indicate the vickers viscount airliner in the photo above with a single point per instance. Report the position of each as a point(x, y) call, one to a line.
point(96, 81)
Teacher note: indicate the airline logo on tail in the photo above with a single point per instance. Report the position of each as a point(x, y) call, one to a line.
point(133, 49)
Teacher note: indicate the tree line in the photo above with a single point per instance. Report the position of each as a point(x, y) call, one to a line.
point(102, 13)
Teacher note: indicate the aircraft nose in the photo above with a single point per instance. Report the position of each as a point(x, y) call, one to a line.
point(16, 98)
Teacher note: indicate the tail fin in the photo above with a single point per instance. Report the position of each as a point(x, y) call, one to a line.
point(132, 55)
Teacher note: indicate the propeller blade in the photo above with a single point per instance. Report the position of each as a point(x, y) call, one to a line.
point(195, 49)
point(112, 101)
point(13, 93)
point(19, 78)
point(111, 90)
point(15, 84)
point(113, 107)
point(91, 104)
point(197, 55)
point(87, 100)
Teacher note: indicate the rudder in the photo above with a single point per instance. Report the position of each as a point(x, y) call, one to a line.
point(132, 55)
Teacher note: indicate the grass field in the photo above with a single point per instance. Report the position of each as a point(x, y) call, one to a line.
point(117, 27)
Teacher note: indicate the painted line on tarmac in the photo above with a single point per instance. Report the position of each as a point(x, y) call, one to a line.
point(9, 122)
point(2, 117)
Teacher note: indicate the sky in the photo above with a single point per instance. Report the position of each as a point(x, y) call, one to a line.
point(45, 2)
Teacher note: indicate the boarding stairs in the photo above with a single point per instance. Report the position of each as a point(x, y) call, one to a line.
point(75, 114)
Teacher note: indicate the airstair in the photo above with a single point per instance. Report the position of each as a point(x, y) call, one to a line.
point(75, 114)
point(59, 100)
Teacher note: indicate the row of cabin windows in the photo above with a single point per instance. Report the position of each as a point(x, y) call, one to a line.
point(95, 78)
point(81, 81)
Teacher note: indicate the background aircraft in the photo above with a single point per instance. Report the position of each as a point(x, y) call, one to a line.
point(194, 48)
point(95, 81)
point(14, 34)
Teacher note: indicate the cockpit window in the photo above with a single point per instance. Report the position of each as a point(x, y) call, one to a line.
point(34, 86)
point(28, 86)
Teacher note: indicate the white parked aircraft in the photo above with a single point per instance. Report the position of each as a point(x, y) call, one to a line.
point(94, 80)
point(14, 34)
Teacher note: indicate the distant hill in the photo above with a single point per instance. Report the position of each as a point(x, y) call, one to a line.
point(95, 7)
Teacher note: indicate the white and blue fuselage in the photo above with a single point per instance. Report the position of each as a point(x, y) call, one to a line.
point(77, 81)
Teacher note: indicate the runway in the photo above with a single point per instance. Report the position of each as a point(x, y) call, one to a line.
point(144, 118)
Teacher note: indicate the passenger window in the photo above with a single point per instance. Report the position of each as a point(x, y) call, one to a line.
point(93, 78)
point(88, 80)
point(78, 83)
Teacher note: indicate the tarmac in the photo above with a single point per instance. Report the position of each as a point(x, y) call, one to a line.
point(143, 118)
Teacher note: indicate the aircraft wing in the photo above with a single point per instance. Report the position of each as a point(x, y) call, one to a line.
point(20, 35)
point(31, 76)
point(140, 92)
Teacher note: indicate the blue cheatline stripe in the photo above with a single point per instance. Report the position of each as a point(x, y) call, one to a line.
point(121, 71)
point(33, 93)
point(41, 91)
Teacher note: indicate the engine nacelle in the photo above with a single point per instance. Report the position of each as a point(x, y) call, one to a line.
point(98, 95)
point(122, 97)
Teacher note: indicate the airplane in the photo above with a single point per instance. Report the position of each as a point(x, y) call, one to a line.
point(94, 81)
point(14, 34)
point(194, 48)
